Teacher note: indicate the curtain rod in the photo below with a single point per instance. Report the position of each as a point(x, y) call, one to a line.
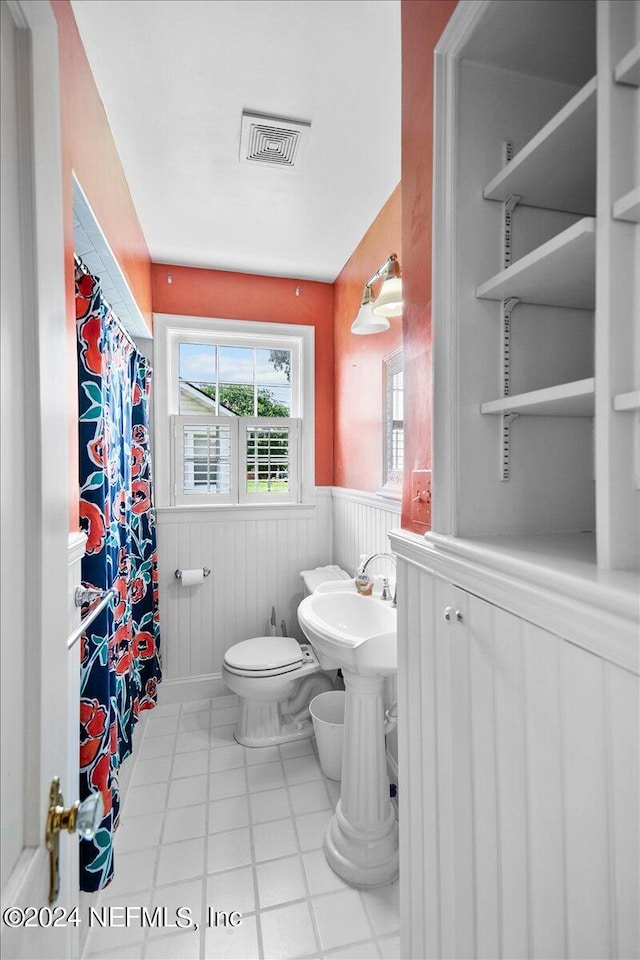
point(78, 261)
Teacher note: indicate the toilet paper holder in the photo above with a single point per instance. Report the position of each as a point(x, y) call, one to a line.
point(205, 572)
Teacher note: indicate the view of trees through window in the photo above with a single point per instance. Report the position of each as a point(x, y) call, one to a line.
point(242, 381)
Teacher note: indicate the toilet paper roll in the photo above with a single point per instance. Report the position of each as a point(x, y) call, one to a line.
point(191, 578)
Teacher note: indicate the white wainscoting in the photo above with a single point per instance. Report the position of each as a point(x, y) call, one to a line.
point(519, 810)
point(361, 524)
point(255, 556)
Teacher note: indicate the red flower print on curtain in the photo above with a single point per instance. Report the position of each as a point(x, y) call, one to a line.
point(120, 660)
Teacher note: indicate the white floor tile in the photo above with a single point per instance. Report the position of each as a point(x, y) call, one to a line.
point(179, 946)
point(190, 764)
point(228, 814)
point(181, 860)
point(301, 769)
point(274, 839)
point(230, 943)
point(341, 919)
point(309, 797)
point(187, 791)
point(382, 904)
point(143, 800)
point(195, 721)
point(227, 850)
point(174, 896)
point(132, 951)
point(227, 783)
point(157, 747)
point(151, 771)
point(184, 823)
point(193, 740)
point(320, 876)
point(138, 833)
point(133, 871)
point(224, 715)
point(272, 805)
point(296, 748)
point(261, 755)
point(227, 758)
point(359, 951)
point(288, 932)
point(280, 881)
point(333, 788)
point(312, 827)
point(265, 776)
point(160, 726)
point(195, 706)
point(165, 710)
point(232, 890)
point(390, 947)
point(222, 736)
point(118, 931)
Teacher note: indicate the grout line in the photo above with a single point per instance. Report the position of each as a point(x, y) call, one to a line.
point(205, 852)
point(252, 847)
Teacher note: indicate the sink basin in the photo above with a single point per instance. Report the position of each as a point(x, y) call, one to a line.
point(350, 631)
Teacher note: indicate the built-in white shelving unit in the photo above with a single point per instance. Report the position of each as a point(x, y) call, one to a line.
point(627, 401)
point(559, 273)
point(570, 134)
point(564, 400)
point(628, 69)
point(628, 207)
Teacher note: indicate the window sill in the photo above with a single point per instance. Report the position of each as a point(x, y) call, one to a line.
point(234, 511)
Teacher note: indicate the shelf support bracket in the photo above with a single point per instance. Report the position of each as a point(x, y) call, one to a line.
point(507, 419)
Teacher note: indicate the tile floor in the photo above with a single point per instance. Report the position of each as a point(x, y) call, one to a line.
point(209, 823)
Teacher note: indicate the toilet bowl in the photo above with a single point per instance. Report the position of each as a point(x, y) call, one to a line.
point(276, 678)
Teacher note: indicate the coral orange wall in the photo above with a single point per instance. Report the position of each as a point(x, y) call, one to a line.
point(422, 24)
point(196, 292)
point(358, 368)
point(88, 149)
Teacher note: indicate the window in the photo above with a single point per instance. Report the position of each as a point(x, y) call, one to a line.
point(234, 400)
point(393, 461)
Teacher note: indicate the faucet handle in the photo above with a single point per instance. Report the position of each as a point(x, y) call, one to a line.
point(386, 595)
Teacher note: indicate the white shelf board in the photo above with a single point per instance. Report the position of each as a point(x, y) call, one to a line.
point(564, 400)
point(628, 207)
point(557, 168)
point(560, 273)
point(627, 401)
point(628, 69)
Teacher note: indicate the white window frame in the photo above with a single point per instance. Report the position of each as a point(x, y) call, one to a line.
point(194, 499)
point(391, 485)
point(169, 331)
point(293, 425)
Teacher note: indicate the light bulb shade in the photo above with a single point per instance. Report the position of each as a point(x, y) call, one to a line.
point(389, 302)
point(366, 322)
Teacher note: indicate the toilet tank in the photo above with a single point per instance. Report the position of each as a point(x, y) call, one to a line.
point(313, 578)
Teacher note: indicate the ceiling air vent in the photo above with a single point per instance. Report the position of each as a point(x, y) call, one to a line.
point(272, 141)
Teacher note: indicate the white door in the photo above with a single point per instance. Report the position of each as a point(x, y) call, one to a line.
point(34, 476)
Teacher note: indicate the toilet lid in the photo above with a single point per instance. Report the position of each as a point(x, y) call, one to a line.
point(264, 653)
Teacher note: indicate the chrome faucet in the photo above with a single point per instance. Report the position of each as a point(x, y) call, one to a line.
point(385, 592)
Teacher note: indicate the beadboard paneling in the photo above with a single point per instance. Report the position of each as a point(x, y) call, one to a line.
point(519, 809)
point(255, 563)
point(361, 523)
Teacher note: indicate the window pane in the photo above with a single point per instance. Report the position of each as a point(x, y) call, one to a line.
point(267, 460)
point(237, 399)
point(397, 388)
point(273, 367)
point(197, 362)
point(236, 364)
point(207, 458)
point(274, 401)
point(197, 398)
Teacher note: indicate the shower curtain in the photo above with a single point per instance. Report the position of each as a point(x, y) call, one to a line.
point(120, 657)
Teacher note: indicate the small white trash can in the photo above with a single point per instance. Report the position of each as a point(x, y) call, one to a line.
point(327, 713)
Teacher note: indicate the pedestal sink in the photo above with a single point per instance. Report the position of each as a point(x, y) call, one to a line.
point(358, 634)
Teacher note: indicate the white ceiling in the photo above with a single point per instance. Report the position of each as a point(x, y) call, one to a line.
point(175, 75)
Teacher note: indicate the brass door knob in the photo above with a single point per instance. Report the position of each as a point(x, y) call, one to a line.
point(83, 818)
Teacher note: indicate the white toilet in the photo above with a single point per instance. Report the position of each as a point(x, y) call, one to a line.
point(276, 678)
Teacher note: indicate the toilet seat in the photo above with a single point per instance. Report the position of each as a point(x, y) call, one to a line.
point(264, 657)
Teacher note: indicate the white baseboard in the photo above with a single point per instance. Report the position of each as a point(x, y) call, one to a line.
point(192, 688)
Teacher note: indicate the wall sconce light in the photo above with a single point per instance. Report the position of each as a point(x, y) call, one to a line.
point(372, 316)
